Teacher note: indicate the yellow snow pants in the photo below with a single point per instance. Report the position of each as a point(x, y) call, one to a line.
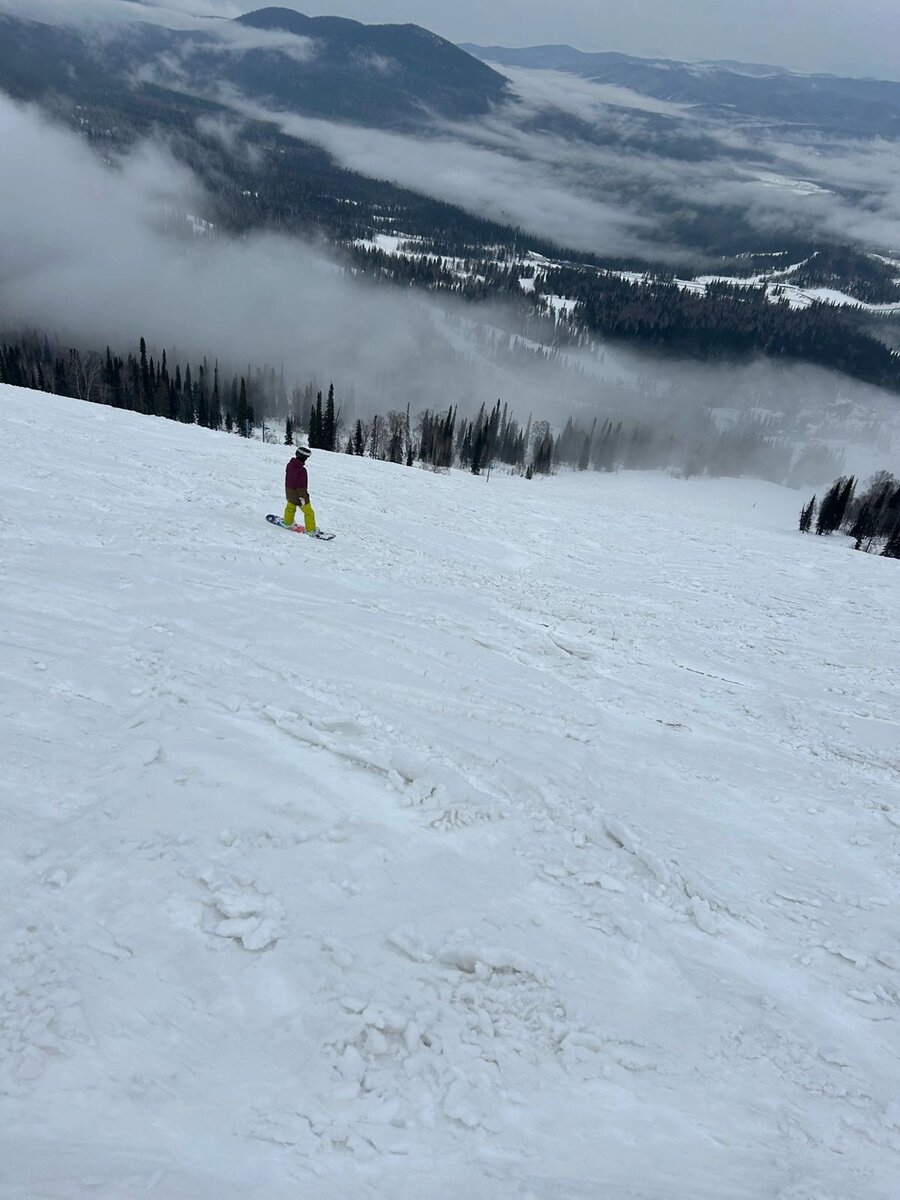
point(290, 510)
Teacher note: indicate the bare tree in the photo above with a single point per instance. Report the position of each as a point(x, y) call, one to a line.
point(86, 374)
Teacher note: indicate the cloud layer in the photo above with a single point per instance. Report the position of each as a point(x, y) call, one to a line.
point(105, 253)
point(604, 191)
point(100, 251)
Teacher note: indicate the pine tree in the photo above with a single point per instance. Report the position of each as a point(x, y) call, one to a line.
point(864, 527)
point(202, 397)
point(315, 423)
point(161, 391)
point(542, 462)
point(806, 516)
point(13, 370)
point(329, 429)
point(60, 383)
point(231, 404)
point(215, 404)
point(288, 432)
point(243, 411)
point(891, 511)
point(892, 548)
point(109, 370)
point(824, 522)
point(359, 440)
point(844, 499)
point(146, 402)
point(834, 505)
point(375, 436)
point(443, 456)
point(186, 410)
point(478, 449)
point(464, 444)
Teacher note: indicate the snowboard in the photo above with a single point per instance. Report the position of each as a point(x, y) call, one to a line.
point(319, 534)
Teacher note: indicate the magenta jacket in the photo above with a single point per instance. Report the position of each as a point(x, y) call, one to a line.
point(295, 475)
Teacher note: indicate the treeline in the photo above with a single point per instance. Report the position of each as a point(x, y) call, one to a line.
point(443, 440)
point(258, 401)
point(134, 382)
point(496, 438)
point(198, 393)
point(471, 275)
point(871, 517)
point(728, 321)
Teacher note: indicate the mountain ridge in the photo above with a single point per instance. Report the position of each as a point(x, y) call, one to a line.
point(835, 103)
point(393, 76)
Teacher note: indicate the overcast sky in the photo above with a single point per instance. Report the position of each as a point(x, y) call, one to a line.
point(854, 37)
point(859, 37)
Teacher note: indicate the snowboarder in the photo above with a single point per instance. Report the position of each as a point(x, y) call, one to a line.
point(296, 488)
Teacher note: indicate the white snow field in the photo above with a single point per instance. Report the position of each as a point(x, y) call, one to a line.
point(529, 841)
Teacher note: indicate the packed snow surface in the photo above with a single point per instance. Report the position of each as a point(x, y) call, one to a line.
point(532, 839)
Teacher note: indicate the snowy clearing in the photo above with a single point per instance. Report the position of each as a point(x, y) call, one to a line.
point(777, 288)
point(529, 840)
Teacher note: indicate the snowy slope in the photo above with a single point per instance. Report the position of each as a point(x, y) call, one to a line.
point(531, 839)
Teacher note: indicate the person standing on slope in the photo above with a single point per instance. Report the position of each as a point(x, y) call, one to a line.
point(296, 488)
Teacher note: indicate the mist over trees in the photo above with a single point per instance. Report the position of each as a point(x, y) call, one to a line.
point(258, 401)
point(727, 321)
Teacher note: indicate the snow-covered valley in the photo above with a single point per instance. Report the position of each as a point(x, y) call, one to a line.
point(533, 840)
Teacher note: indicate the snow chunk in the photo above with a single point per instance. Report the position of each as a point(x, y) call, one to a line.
point(410, 940)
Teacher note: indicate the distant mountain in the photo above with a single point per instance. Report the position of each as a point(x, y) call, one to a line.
point(375, 74)
point(388, 76)
point(857, 107)
point(120, 85)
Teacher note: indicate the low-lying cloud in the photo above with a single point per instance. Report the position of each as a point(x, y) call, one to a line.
point(101, 253)
point(510, 188)
point(609, 196)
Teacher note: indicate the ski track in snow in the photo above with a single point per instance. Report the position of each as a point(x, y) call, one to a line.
point(531, 839)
